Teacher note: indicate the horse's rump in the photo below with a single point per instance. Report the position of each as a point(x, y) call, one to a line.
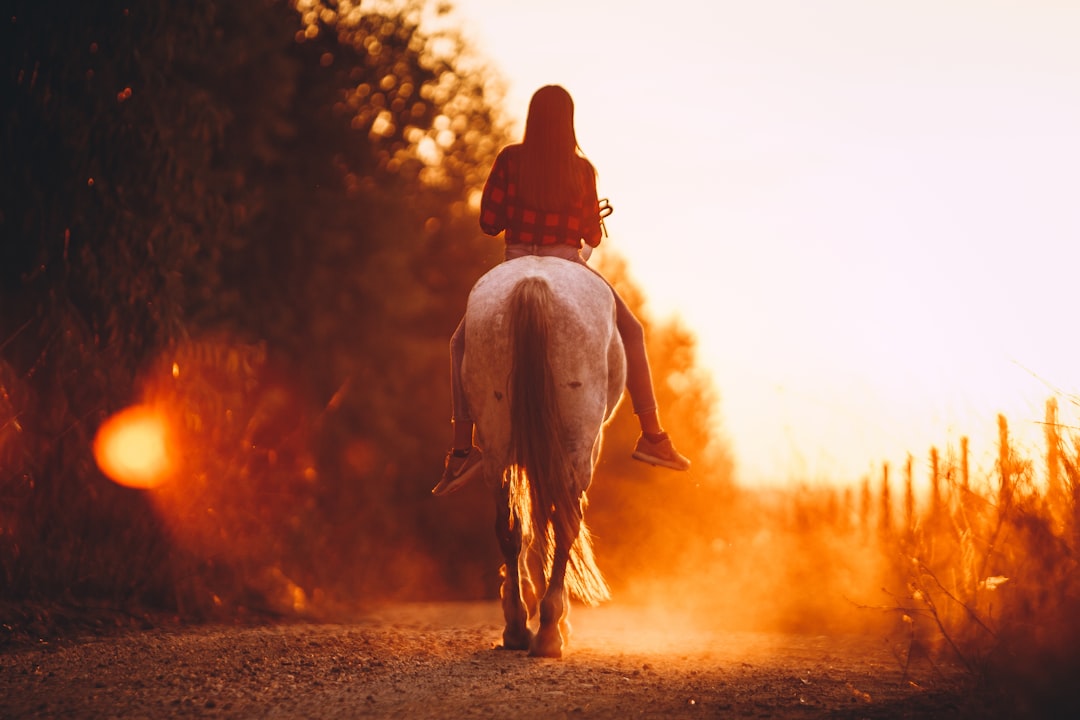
point(543, 370)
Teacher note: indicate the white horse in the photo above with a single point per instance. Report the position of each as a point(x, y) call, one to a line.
point(544, 369)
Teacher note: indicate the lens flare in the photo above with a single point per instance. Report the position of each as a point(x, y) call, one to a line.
point(132, 447)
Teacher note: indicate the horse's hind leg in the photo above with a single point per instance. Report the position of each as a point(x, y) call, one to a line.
point(553, 608)
point(533, 582)
point(516, 635)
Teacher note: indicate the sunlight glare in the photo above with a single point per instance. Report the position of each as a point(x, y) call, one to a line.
point(132, 447)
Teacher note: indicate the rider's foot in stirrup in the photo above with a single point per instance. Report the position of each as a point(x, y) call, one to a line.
point(461, 467)
point(658, 450)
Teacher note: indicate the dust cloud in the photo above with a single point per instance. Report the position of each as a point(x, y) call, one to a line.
point(279, 507)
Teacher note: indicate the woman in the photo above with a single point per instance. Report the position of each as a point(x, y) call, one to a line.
point(541, 194)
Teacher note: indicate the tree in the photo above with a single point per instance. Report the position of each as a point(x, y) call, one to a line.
point(113, 218)
point(196, 182)
point(261, 216)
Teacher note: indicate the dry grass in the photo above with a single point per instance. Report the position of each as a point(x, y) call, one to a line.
point(958, 571)
point(983, 572)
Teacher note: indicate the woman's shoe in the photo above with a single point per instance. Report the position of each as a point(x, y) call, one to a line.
point(661, 453)
point(459, 470)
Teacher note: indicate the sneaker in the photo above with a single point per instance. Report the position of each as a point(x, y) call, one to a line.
point(458, 471)
point(661, 453)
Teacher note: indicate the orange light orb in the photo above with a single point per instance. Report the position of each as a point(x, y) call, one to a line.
point(132, 447)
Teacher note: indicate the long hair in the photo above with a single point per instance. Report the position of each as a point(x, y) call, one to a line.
point(553, 172)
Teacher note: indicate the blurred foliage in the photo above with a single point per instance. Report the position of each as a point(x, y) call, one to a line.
point(112, 222)
point(210, 168)
point(259, 215)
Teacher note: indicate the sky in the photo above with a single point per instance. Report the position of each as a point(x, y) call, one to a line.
point(867, 212)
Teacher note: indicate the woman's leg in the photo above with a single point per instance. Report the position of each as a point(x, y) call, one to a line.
point(463, 424)
point(654, 446)
point(638, 373)
point(463, 460)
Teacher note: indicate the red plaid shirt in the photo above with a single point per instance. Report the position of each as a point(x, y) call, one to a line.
point(501, 209)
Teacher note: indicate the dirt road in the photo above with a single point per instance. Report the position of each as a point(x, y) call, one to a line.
point(440, 661)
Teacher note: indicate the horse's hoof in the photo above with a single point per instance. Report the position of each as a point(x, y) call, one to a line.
point(553, 652)
point(517, 640)
point(546, 646)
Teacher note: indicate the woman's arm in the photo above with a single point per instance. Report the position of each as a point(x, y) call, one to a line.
point(493, 200)
point(590, 209)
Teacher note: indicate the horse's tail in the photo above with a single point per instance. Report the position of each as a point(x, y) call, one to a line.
point(544, 492)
